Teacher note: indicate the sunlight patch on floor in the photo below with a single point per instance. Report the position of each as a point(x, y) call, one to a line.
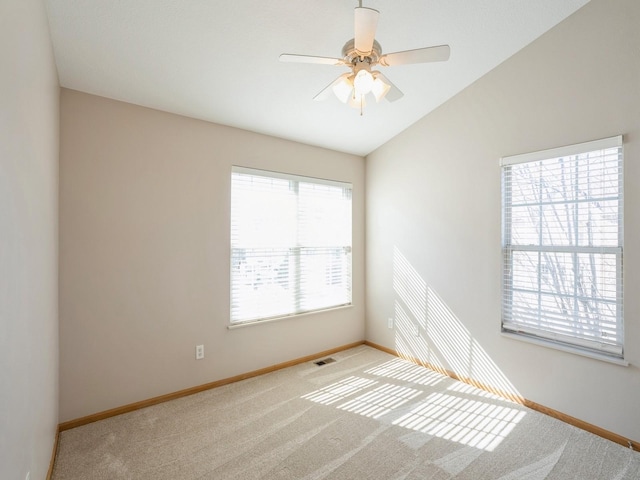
point(399, 369)
point(469, 422)
point(339, 391)
point(380, 401)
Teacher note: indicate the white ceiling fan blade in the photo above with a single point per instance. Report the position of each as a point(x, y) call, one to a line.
point(420, 55)
point(366, 22)
point(394, 92)
point(328, 90)
point(294, 58)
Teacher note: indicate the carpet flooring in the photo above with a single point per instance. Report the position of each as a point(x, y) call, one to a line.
point(368, 415)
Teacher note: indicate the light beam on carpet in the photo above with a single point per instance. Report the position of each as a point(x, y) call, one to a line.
point(340, 390)
point(469, 422)
point(399, 369)
point(380, 401)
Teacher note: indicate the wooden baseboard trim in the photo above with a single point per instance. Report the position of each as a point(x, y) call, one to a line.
point(197, 389)
point(54, 453)
point(601, 432)
point(449, 373)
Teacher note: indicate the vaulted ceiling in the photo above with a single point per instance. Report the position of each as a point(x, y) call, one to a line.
point(218, 61)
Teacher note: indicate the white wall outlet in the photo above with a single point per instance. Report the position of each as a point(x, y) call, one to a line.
point(416, 330)
point(28, 477)
point(199, 352)
point(390, 323)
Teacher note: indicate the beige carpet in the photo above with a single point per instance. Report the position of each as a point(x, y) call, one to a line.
point(368, 415)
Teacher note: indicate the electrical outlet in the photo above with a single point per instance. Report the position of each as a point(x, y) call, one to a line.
point(390, 323)
point(28, 477)
point(199, 352)
point(416, 330)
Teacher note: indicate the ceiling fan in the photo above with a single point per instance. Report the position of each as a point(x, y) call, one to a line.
point(360, 55)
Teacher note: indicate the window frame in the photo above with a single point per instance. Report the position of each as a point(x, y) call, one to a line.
point(295, 252)
point(548, 337)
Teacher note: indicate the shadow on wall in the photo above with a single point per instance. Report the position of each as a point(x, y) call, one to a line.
point(428, 332)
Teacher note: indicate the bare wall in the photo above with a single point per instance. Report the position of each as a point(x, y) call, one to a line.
point(29, 125)
point(434, 218)
point(144, 254)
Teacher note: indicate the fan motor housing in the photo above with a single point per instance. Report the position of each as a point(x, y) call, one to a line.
point(351, 56)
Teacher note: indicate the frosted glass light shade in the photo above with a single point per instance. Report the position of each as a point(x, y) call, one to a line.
point(363, 82)
point(379, 89)
point(343, 89)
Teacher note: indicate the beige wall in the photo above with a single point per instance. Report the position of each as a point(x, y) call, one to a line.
point(433, 214)
point(144, 254)
point(29, 119)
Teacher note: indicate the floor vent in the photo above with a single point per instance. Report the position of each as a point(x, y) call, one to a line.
point(324, 361)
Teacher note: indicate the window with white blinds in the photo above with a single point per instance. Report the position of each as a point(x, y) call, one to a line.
point(562, 246)
point(290, 244)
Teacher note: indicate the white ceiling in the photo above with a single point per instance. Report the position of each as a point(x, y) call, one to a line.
point(218, 61)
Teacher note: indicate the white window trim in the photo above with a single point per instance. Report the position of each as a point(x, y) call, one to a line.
point(604, 143)
point(308, 180)
point(566, 348)
point(288, 176)
point(253, 323)
point(576, 149)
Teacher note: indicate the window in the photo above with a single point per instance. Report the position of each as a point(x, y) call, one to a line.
point(562, 246)
point(290, 244)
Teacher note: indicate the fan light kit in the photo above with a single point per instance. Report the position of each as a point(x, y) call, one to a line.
point(362, 53)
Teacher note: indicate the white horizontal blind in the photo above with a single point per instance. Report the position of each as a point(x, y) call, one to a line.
point(562, 245)
point(290, 244)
